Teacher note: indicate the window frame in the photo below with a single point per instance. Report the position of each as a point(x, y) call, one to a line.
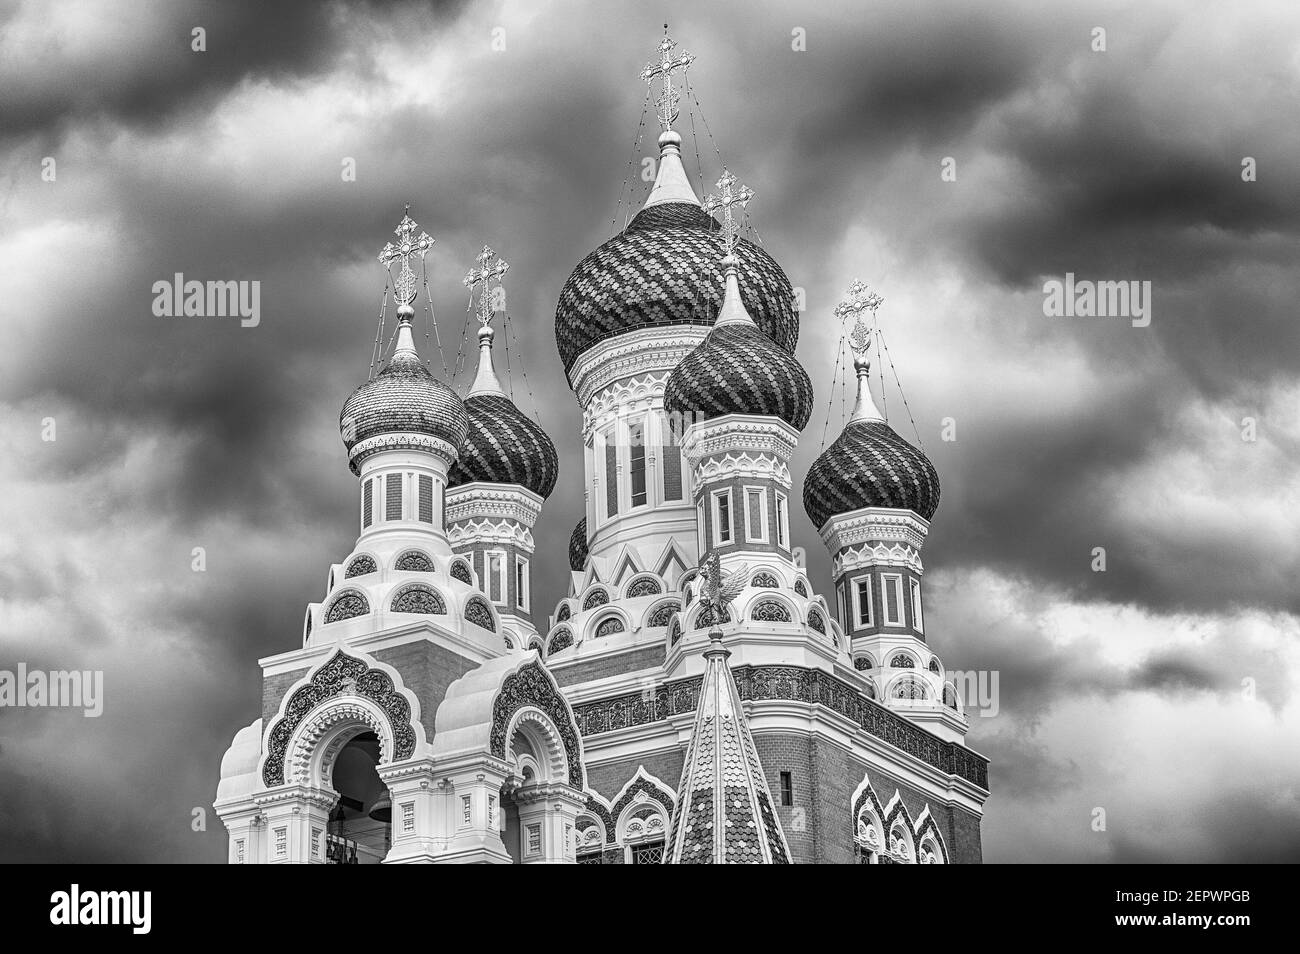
point(635, 448)
point(782, 520)
point(786, 796)
point(523, 599)
point(858, 622)
point(884, 600)
point(502, 577)
point(715, 497)
point(748, 490)
point(918, 620)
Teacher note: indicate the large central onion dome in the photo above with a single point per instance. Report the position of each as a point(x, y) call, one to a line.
point(401, 405)
point(737, 369)
point(663, 270)
point(502, 446)
point(869, 465)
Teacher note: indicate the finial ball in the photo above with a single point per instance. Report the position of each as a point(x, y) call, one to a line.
point(405, 311)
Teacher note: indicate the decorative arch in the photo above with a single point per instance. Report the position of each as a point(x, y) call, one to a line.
point(460, 571)
point(561, 638)
point(863, 662)
point(898, 822)
point(306, 627)
point(675, 631)
point(610, 624)
point(705, 617)
point(529, 692)
point(801, 588)
point(510, 644)
point(909, 687)
point(348, 604)
point(927, 832)
point(816, 621)
point(934, 665)
point(660, 614)
point(418, 598)
point(644, 584)
point(480, 614)
point(596, 596)
point(414, 560)
point(902, 660)
point(771, 609)
point(564, 612)
point(367, 695)
point(360, 565)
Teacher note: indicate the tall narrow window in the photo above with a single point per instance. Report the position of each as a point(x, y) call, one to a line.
point(636, 460)
point(721, 517)
point(787, 789)
point(534, 839)
point(408, 817)
point(892, 590)
point(670, 455)
point(393, 497)
point(611, 474)
point(466, 810)
point(492, 812)
point(863, 601)
point(496, 576)
point(755, 515)
point(368, 504)
point(916, 606)
point(782, 520)
point(521, 583)
point(426, 498)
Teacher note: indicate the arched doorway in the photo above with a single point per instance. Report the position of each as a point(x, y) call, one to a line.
point(360, 824)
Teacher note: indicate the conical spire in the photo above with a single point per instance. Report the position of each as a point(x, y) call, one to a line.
point(671, 184)
point(405, 290)
point(485, 380)
point(858, 303)
point(724, 812)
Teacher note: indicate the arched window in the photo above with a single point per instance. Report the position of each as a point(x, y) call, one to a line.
point(902, 661)
point(347, 605)
point(644, 586)
point(460, 571)
point(418, 598)
point(661, 614)
point(477, 612)
point(609, 626)
point(560, 639)
point(800, 588)
point(862, 663)
point(675, 634)
point(909, 688)
point(563, 614)
point(770, 611)
point(950, 696)
point(934, 666)
point(816, 622)
point(765, 580)
point(414, 561)
point(360, 566)
point(597, 597)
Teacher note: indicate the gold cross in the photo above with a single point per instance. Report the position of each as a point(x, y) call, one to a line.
point(859, 302)
point(410, 245)
point(481, 276)
point(666, 102)
point(730, 193)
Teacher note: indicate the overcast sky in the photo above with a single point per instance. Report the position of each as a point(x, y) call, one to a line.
point(1121, 690)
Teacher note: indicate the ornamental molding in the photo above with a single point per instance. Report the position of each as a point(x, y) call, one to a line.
point(357, 684)
point(740, 433)
point(881, 554)
point(632, 352)
point(621, 396)
point(874, 525)
point(401, 440)
point(481, 500)
point(753, 466)
point(485, 530)
point(531, 686)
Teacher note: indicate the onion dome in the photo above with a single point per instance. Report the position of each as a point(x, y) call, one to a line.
point(578, 546)
point(663, 270)
point(737, 369)
point(502, 445)
point(869, 465)
point(404, 403)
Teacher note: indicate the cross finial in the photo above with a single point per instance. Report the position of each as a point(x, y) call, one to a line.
point(666, 101)
point(856, 306)
point(481, 276)
point(731, 192)
point(410, 245)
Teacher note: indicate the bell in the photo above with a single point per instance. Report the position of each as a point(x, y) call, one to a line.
point(381, 809)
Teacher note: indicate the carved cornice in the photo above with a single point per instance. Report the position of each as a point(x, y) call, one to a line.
point(880, 554)
point(401, 441)
point(471, 532)
point(874, 525)
point(634, 352)
point(481, 500)
point(746, 465)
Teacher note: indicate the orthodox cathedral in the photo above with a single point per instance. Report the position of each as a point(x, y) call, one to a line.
point(692, 698)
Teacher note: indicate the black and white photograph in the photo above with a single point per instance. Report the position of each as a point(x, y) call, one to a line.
point(853, 433)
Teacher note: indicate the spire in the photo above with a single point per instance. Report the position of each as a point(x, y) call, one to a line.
point(671, 184)
point(724, 812)
point(859, 302)
point(404, 286)
point(489, 301)
point(731, 192)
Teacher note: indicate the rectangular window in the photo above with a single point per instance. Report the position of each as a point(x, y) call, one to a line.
point(891, 585)
point(393, 496)
point(495, 584)
point(721, 517)
point(368, 504)
point(636, 460)
point(916, 606)
point(239, 851)
point(756, 514)
point(672, 464)
point(466, 810)
point(426, 498)
point(568, 834)
point(611, 474)
point(862, 601)
point(787, 789)
point(699, 529)
point(521, 583)
point(408, 817)
point(315, 842)
point(492, 812)
point(534, 839)
point(651, 853)
point(281, 842)
point(782, 520)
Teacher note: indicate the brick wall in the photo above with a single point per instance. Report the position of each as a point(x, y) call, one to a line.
point(609, 777)
point(634, 660)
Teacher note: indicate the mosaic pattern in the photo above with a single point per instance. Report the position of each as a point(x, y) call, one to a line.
point(765, 580)
point(346, 606)
point(578, 546)
point(562, 639)
point(610, 626)
point(662, 614)
point(531, 685)
point(597, 597)
point(665, 269)
point(477, 612)
point(415, 561)
point(504, 446)
point(738, 370)
point(403, 398)
point(341, 675)
point(793, 684)
point(646, 586)
point(360, 567)
point(419, 598)
point(770, 611)
point(869, 465)
point(460, 571)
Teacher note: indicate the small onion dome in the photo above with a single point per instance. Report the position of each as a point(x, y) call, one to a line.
point(869, 465)
point(404, 398)
point(578, 546)
point(663, 270)
point(503, 446)
point(737, 369)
